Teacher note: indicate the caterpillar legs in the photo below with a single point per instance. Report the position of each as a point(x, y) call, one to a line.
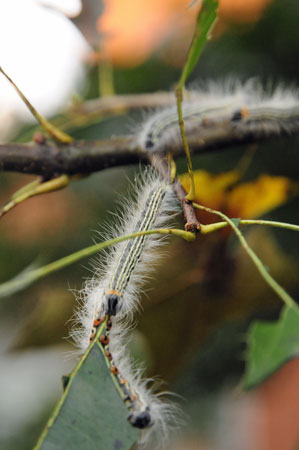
point(140, 415)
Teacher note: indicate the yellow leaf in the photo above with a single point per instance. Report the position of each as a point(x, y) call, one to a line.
point(258, 197)
point(246, 200)
point(211, 190)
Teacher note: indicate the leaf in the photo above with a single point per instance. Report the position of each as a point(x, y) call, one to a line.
point(247, 200)
point(91, 414)
point(270, 345)
point(211, 189)
point(205, 22)
point(257, 197)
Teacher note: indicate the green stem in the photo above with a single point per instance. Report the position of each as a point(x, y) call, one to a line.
point(66, 391)
point(179, 97)
point(57, 134)
point(287, 299)
point(105, 79)
point(29, 277)
point(206, 19)
point(36, 187)
point(205, 229)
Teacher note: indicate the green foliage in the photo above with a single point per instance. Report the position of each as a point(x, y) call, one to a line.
point(270, 345)
point(205, 22)
point(91, 414)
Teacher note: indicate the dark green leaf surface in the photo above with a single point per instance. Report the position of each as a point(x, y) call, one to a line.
point(205, 21)
point(91, 414)
point(270, 345)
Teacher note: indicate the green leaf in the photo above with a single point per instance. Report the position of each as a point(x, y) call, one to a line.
point(270, 345)
point(205, 21)
point(206, 18)
point(91, 414)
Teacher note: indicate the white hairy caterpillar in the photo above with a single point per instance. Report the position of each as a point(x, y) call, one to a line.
point(147, 411)
point(132, 251)
point(111, 298)
point(139, 214)
point(246, 107)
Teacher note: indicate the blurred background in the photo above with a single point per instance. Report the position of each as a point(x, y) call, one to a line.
point(196, 310)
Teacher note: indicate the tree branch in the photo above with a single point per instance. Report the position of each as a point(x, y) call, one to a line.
point(117, 103)
point(191, 222)
point(85, 157)
point(79, 157)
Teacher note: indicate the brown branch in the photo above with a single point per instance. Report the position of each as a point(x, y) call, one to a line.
point(118, 103)
point(79, 157)
point(191, 222)
point(85, 157)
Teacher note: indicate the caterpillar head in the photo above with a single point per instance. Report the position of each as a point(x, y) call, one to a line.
point(113, 304)
point(141, 418)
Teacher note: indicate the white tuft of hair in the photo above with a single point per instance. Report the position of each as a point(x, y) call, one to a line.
point(166, 417)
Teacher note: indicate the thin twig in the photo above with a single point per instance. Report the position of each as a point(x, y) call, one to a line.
point(279, 290)
point(191, 222)
point(55, 132)
point(28, 277)
point(205, 229)
point(116, 103)
point(79, 157)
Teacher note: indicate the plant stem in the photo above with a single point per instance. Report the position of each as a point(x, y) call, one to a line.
point(285, 297)
point(53, 131)
point(205, 229)
point(28, 277)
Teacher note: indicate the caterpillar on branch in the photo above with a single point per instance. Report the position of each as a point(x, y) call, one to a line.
point(239, 108)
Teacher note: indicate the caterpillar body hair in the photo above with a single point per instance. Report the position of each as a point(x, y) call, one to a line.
point(247, 107)
point(121, 272)
point(140, 414)
point(111, 298)
point(147, 411)
point(132, 251)
point(153, 415)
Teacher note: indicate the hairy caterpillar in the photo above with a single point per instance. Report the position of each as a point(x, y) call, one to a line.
point(111, 297)
point(132, 251)
point(140, 414)
point(149, 412)
point(120, 273)
point(246, 107)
